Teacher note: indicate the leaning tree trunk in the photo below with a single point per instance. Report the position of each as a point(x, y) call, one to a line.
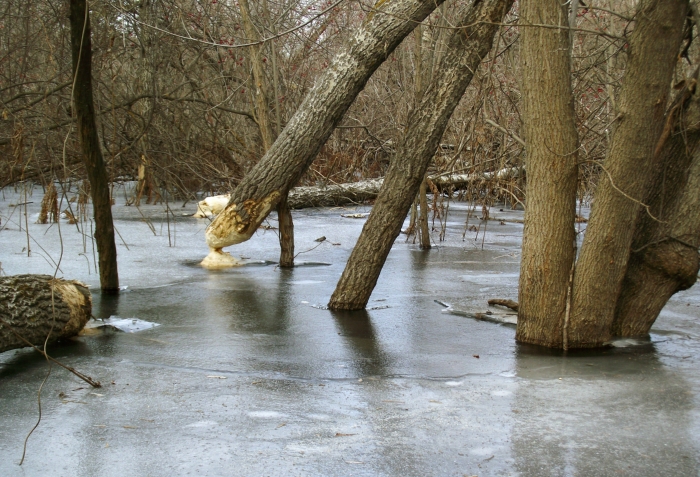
point(81, 48)
point(552, 142)
point(653, 50)
point(324, 106)
point(465, 50)
point(665, 257)
point(39, 306)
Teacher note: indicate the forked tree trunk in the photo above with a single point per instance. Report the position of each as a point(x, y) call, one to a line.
point(465, 49)
point(81, 49)
point(36, 306)
point(653, 50)
point(552, 142)
point(324, 106)
point(665, 251)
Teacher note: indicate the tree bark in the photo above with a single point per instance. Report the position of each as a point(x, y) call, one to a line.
point(81, 49)
point(268, 135)
point(286, 229)
point(37, 306)
point(423, 226)
point(465, 49)
point(653, 50)
point(552, 142)
point(282, 166)
point(664, 259)
point(331, 195)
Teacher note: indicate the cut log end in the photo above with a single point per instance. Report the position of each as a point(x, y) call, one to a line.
point(218, 259)
point(34, 306)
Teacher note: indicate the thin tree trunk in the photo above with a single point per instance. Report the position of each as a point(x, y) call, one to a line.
point(36, 306)
point(465, 49)
point(552, 142)
point(665, 251)
point(423, 217)
point(286, 229)
point(262, 114)
point(81, 48)
point(653, 49)
point(333, 93)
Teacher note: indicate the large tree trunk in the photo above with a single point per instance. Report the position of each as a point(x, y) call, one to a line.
point(665, 251)
point(653, 50)
point(465, 50)
point(81, 48)
point(552, 143)
point(324, 106)
point(36, 306)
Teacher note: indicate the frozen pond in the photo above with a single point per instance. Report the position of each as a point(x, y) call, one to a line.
point(247, 373)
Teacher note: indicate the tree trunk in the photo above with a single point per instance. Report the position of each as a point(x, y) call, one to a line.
point(653, 50)
point(333, 93)
point(465, 49)
point(332, 195)
point(36, 306)
point(552, 142)
point(665, 251)
point(268, 135)
point(286, 229)
point(81, 48)
point(424, 228)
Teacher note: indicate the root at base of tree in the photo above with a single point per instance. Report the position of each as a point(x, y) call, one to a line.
point(513, 305)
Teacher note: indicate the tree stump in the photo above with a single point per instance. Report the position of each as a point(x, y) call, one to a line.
point(34, 306)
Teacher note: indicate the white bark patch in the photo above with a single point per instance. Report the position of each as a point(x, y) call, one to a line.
point(229, 228)
point(76, 302)
point(211, 205)
point(218, 259)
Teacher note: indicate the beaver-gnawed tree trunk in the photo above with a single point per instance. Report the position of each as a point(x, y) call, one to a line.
point(324, 106)
point(35, 306)
point(426, 124)
point(81, 48)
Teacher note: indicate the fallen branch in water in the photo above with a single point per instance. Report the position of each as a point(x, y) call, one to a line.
point(513, 305)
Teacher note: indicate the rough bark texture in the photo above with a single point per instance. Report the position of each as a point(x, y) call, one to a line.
point(307, 131)
point(36, 305)
point(286, 229)
point(423, 225)
point(81, 49)
point(267, 134)
point(552, 142)
point(331, 195)
point(653, 50)
point(262, 112)
point(465, 50)
point(665, 253)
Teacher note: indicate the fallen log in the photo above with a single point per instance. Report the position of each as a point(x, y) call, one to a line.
point(354, 192)
point(36, 306)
